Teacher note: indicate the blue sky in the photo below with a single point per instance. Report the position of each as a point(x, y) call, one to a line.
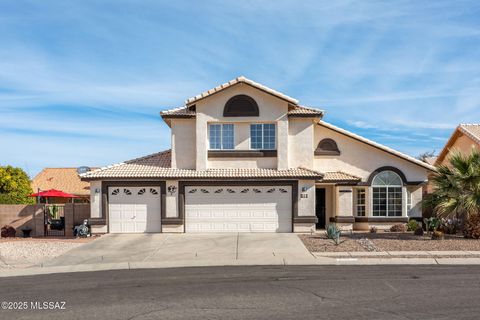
point(82, 82)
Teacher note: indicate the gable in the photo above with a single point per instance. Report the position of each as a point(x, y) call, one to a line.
point(360, 156)
point(257, 105)
point(464, 138)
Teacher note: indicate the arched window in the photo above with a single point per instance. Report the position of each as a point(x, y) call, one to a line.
point(327, 147)
point(241, 106)
point(387, 194)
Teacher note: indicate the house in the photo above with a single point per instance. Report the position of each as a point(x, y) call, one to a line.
point(465, 138)
point(246, 158)
point(64, 179)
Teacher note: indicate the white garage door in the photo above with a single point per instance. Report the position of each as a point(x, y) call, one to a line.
point(134, 209)
point(238, 209)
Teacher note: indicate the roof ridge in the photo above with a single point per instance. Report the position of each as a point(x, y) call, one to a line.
point(378, 145)
point(240, 79)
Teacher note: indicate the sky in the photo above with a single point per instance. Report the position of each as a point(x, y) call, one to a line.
point(82, 82)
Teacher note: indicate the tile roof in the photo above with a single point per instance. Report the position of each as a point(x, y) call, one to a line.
point(339, 176)
point(182, 112)
point(377, 145)
point(64, 179)
point(471, 130)
point(295, 111)
point(235, 81)
point(158, 166)
point(301, 111)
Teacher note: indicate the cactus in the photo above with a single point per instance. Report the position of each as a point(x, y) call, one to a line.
point(333, 233)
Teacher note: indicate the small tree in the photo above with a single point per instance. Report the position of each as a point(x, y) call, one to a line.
point(14, 186)
point(427, 154)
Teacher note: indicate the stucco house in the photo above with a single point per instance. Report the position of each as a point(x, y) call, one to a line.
point(64, 179)
point(465, 138)
point(246, 158)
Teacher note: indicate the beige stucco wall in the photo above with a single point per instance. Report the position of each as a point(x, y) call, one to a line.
point(171, 200)
point(300, 143)
point(344, 201)
point(183, 143)
point(272, 110)
point(417, 195)
point(229, 163)
point(95, 199)
point(306, 204)
point(360, 159)
point(462, 144)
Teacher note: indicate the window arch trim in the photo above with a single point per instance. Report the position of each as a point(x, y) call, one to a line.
point(327, 147)
point(241, 105)
point(387, 168)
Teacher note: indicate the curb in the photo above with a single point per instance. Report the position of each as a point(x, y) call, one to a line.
point(318, 260)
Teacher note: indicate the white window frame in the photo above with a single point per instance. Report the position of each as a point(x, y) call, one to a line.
point(359, 205)
point(262, 138)
point(221, 136)
point(409, 200)
point(387, 188)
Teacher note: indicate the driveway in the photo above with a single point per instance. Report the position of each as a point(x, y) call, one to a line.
point(190, 249)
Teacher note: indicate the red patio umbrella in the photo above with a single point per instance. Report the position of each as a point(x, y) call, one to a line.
point(52, 193)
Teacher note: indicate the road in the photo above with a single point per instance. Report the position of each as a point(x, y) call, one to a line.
point(291, 292)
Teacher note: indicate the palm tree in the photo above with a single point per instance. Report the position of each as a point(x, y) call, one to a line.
point(457, 186)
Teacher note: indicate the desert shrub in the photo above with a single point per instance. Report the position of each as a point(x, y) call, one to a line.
point(399, 227)
point(472, 227)
point(450, 226)
point(432, 223)
point(333, 233)
point(438, 235)
point(373, 229)
point(7, 231)
point(418, 231)
point(412, 225)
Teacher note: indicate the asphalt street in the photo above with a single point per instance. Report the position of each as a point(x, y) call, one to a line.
point(288, 292)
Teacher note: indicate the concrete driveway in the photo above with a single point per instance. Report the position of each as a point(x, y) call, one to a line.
point(190, 249)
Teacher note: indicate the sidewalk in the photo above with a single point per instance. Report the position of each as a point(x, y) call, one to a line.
point(324, 258)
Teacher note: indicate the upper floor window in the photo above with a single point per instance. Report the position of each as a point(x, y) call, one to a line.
point(221, 136)
point(262, 136)
point(387, 194)
point(241, 106)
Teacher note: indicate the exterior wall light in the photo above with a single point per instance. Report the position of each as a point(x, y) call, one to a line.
point(171, 190)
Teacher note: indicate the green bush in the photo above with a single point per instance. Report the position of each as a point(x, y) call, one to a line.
point(412, 225)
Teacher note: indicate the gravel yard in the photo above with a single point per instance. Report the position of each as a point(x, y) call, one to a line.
point(368, 242)
point(20, 252)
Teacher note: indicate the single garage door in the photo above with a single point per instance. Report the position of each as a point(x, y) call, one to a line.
point(134, 209)
point(238, 209)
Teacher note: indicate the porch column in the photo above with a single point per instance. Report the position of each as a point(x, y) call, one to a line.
point(344, 207)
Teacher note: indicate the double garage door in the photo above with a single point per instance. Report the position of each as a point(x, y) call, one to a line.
point(134, 209)
point(207, 209)
point(238, 209)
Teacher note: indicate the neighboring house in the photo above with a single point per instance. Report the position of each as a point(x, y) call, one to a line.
point(246, 158)
point(64, 179)
point(465, 138)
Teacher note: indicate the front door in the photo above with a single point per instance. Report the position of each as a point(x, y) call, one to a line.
point(320, 207)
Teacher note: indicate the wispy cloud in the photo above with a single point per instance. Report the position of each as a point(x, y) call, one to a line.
point(81, 82)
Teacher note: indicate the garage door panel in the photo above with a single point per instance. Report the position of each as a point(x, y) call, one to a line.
point(238, 209)
point(134, 209)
